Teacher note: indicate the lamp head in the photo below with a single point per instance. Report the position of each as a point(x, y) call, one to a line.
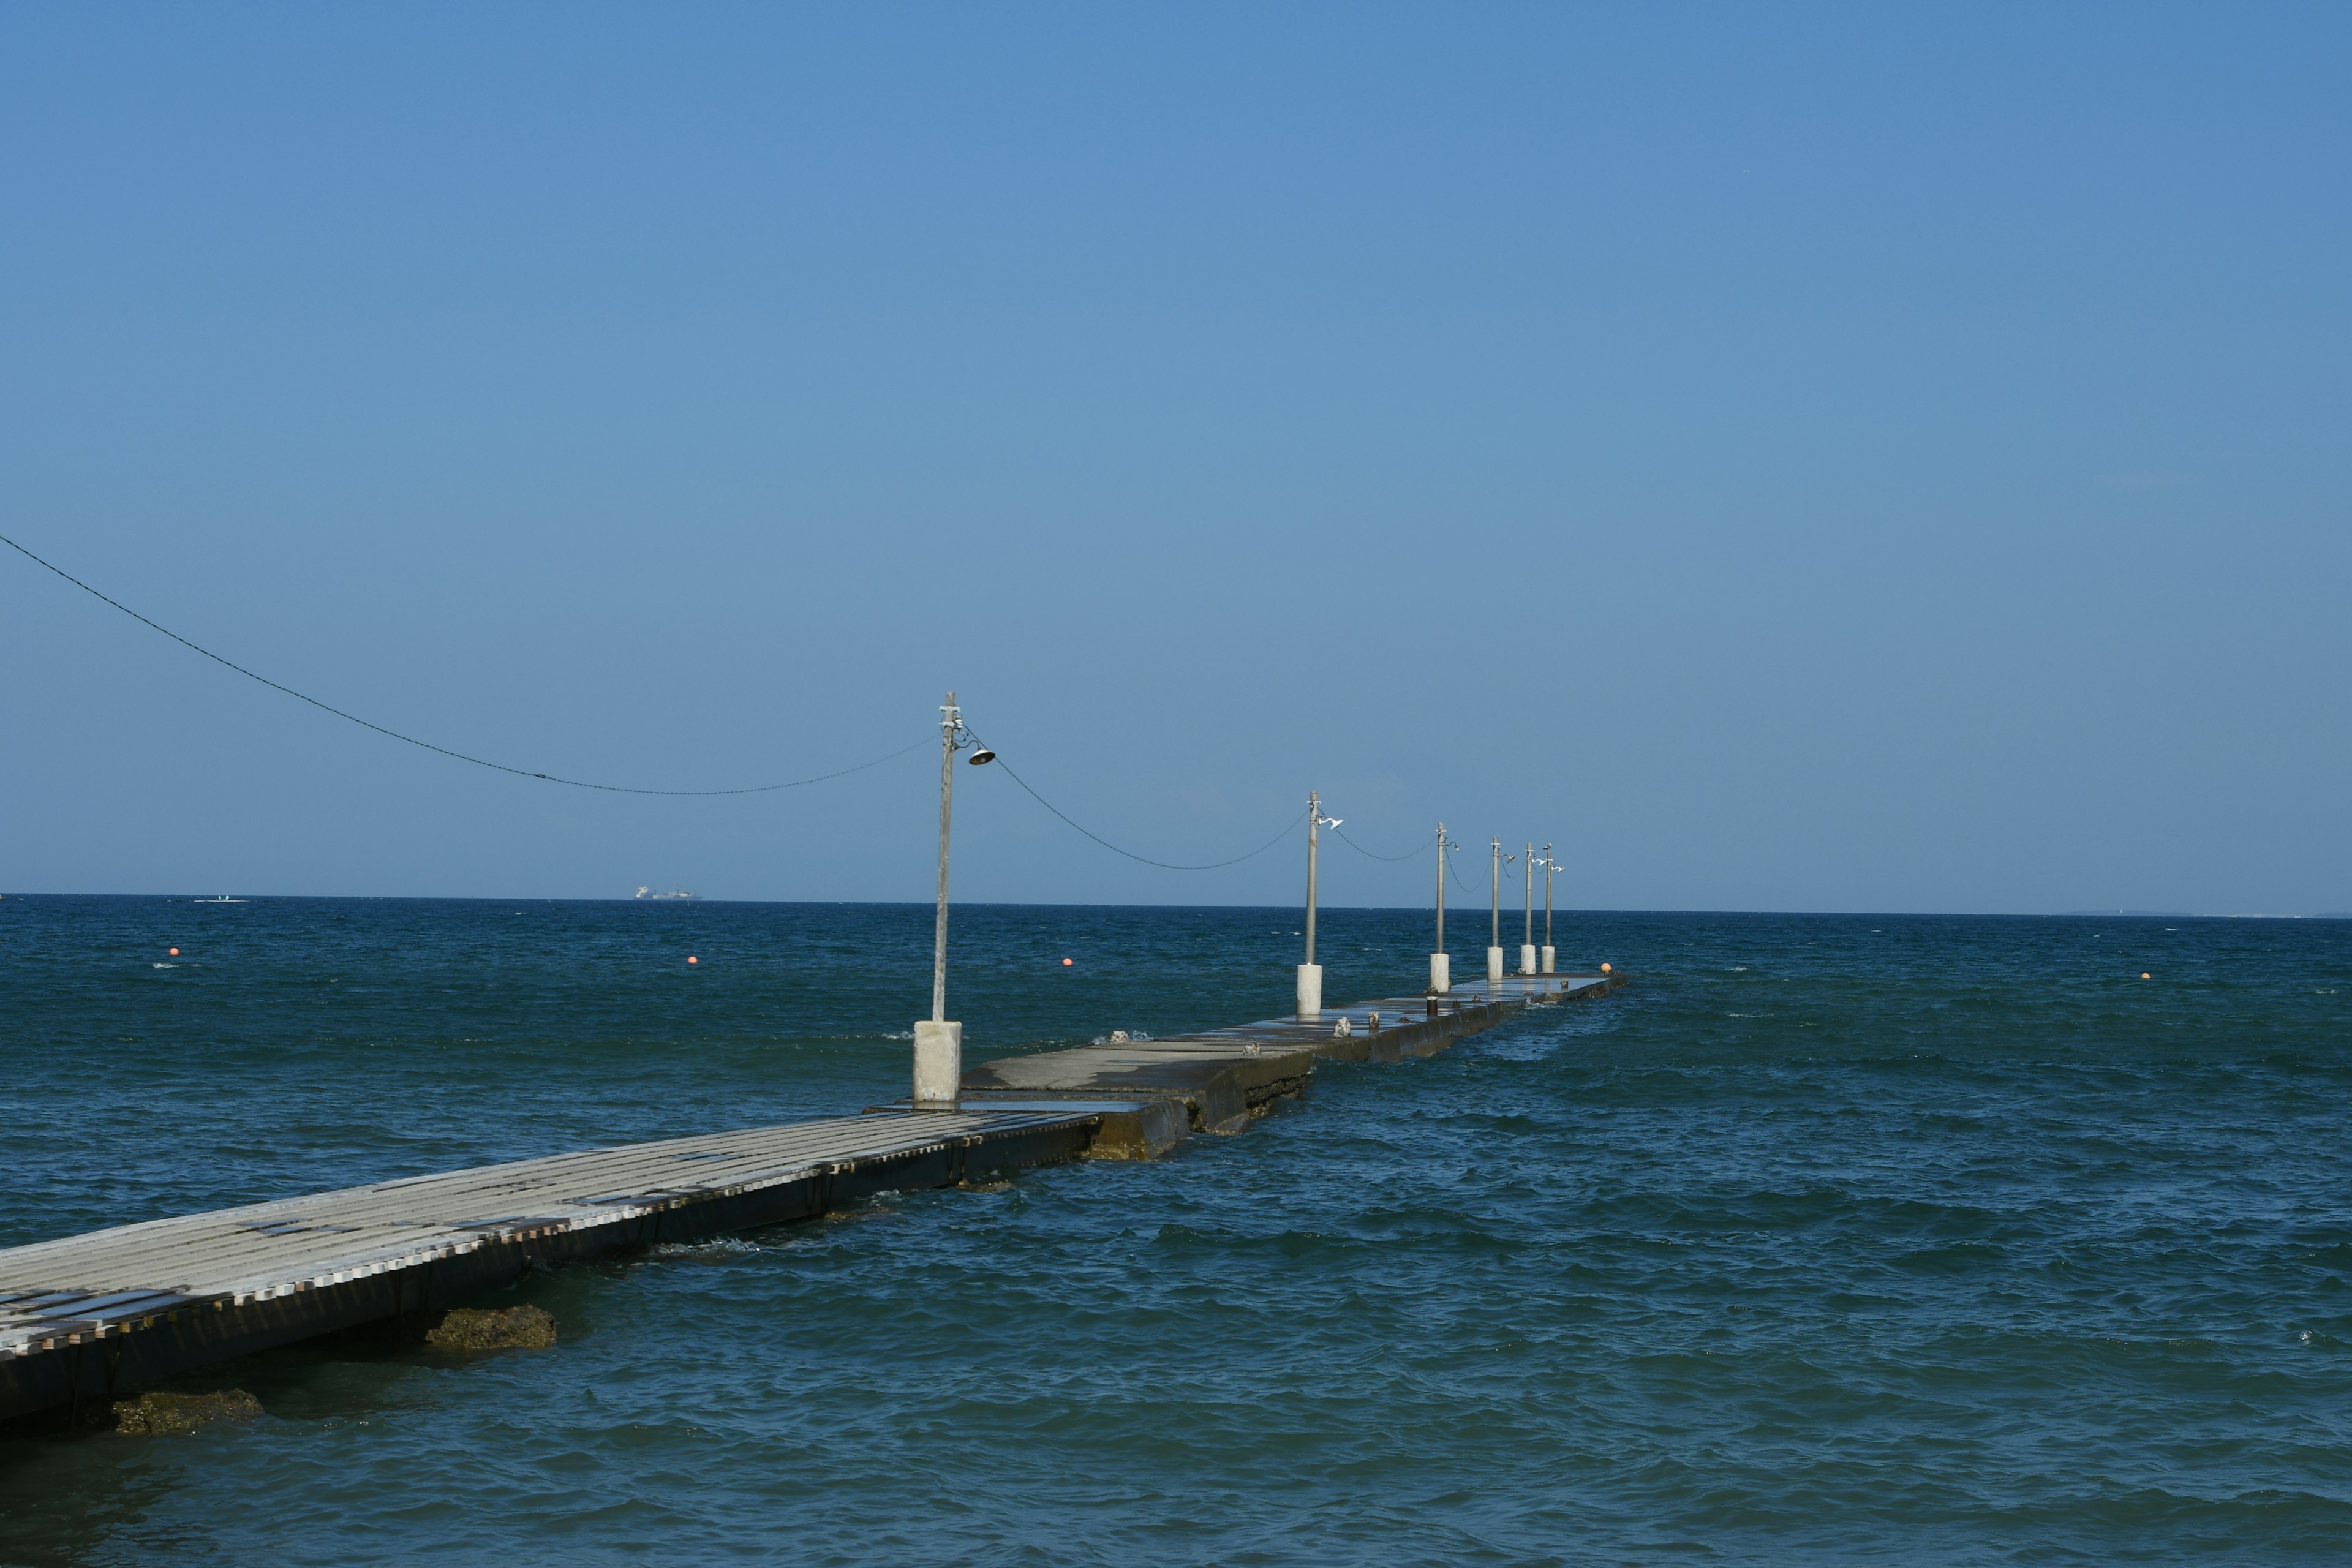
point(979, 756)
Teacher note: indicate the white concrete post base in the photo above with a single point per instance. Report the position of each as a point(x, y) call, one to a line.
point(1494, 963)
point(1310, 990)
point(939, 1065)
point(1441, 972)
point(1527, 959)
point(1547, 969)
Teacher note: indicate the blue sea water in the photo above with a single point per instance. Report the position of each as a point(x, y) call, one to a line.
point(1828, 1240)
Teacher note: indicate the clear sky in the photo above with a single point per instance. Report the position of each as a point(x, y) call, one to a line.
point(1866, 458)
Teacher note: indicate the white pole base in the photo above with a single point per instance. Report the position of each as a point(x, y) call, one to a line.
point(1310, 990)
point(1547, 960)
point(1441, 972)
point(939, 1065)
point(1527, 959)
point(1495, 964)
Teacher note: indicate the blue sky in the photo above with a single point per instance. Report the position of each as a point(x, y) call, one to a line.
point(1794, 458)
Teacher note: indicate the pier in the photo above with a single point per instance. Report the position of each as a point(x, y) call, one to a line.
point(85, 1320)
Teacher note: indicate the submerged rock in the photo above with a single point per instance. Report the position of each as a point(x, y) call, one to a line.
point(170, 1414)
point(486, 1328)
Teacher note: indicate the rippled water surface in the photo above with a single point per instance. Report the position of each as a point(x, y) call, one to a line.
point(1829, 1239)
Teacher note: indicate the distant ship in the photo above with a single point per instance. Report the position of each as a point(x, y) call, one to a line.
point(224, 898)
point(648, 893)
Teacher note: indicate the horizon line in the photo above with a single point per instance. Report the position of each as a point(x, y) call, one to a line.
point(1368, 909)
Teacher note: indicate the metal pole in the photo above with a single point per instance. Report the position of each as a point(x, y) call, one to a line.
point(949, 721)
point(1528, 931)
point(1314, 819)
point(1548, 869)
point(1495, 938)
point(1441, 890)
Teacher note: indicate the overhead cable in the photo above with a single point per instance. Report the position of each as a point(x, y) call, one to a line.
point(1288, 828)
point(1456, 876)
point(1407, 855)
point(428, 745)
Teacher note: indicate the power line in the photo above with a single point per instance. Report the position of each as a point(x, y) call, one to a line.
point(1407, 855)
point(1164, 865)
point(428, 745)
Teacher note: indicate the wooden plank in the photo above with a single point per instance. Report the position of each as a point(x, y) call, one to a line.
point(439, 1207)
point(273, 1249)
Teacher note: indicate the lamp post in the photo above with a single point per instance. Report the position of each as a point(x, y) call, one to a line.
point(1527, 931)
point(1549, 866)
point(939, 1041)
point(1494, 931)
point(1310, 974)
point(1440, 967)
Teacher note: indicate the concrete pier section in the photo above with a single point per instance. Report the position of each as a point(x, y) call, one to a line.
point(1151, 1094)
point(85, 1320)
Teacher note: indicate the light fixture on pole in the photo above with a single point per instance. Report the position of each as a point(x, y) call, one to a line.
point(1549, 866)
point(1495, 934)
point(1527, 931)
point(1310, 974)
point(939, 1041)
point(1440, 967)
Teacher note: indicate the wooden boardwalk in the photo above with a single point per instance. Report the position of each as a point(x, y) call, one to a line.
point(86, 1319)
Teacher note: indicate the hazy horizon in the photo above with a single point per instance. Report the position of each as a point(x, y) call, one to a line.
point(1454, 912)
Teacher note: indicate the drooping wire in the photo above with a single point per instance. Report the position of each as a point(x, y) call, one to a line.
point(1288, 828)
point(428, 745)
point(1407, 855)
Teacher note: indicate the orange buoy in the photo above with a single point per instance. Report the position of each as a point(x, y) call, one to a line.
point(1604, 969)
point(175, 952)
point(2143, 974)
point(1067, 962)
point(691, 959)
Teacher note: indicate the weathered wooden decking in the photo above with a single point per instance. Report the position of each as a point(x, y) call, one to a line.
point(86, 1319)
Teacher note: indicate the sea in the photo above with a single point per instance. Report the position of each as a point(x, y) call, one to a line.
point(1827, 1238)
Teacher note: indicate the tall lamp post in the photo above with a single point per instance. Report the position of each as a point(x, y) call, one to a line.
point(1440, 967)
point(1528, 931)
point(1310, 974)
point(1495, 931)
point(939, 1041)
point(1549, 866)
